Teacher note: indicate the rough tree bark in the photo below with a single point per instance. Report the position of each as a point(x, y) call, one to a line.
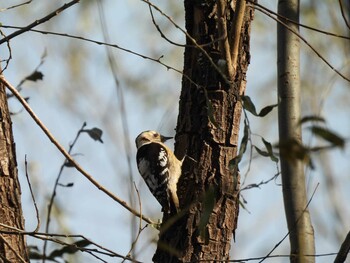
point(293, 179)
point(207, 131)
point(12, 247)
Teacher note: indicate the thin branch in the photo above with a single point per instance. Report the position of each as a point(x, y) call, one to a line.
point(255, 4)
point(42, 60)
point(12, 249)
point(344, 250)
point(280, 242)
point(54, 191)
point(174, 43)
point(160, 31)
point(257, 185)
point(34, 73)
point(140, 225)
point(32, 195)
point(67, 155)
point(54, 238)
point(38, 22)
point(242, 260)
point(15, 6)
point(157, 60)
point(305, 41)
point(343, 14)
point(114, 254)
point(10, 54)
point(122, 108)
point(215, 66)
point(14, 229)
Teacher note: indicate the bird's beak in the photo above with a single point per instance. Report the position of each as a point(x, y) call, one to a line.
point(164, 138)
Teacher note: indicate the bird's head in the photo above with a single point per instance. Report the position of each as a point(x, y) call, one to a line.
point(148, 137)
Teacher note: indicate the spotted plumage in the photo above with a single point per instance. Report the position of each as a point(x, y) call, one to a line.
point(159, 168)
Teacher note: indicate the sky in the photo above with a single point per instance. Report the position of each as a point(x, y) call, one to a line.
point(78, 87)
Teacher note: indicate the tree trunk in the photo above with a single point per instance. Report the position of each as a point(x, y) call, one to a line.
point(12, 247)
point(207, 131)
point(293, 179)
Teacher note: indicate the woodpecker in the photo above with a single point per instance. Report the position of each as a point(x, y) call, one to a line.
point(160, 168)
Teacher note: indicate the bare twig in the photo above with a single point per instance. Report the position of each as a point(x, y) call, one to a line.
point(15, 6)
point(10, 54)
point(12, 249)
point(42, 60)
point(280, 242)
point(50, 237)
point(38, 22)
point(14, 229)
point(174, 43)
point(140, 225)
point(157, 60)
point(160, 31)
point(122, 108)
point(30, 76)
point(255, 4)
point(67, 155)
point(198, 46)
point(257, 185)
point(344, 250)
point(32, 195)
point(53, 237)
point(242, 260)
point(343, 14)
point(54, 191)
point(305, 41)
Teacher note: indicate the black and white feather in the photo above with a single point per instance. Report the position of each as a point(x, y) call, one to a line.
point(159, 168)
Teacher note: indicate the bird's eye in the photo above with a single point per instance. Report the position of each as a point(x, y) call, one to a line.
point(155, 135)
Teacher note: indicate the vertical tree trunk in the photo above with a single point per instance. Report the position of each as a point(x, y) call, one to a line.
point(12, 247)
point(293, 179)
point(207, 131)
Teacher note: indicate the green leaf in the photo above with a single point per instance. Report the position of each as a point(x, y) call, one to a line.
point(68, 163)
point(241, 203)
point(233, 164)
point(95, 134)
point(311, 118)
point(34, 252)
point(35, 255)
point(66, 185)
point(261, 152)
point(328, 136)
point(266, 154)
point(35, 76)
point(266, 110)
point(294, 150)
point(249, 106)
point(269, 150)
point(70, 249)
point(244, 141)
